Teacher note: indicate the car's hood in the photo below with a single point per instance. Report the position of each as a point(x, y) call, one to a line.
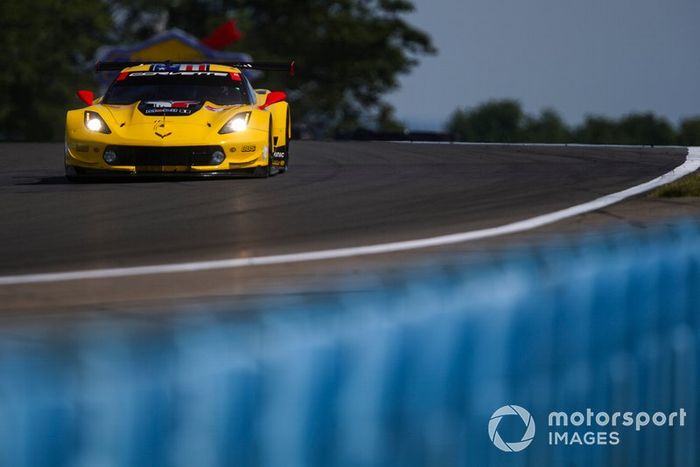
point(168, 121)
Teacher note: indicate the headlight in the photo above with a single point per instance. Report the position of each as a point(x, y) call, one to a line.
point(95, 123)
point(239, 122)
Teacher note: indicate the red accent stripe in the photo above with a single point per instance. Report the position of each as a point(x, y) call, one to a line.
point(122, 76)
point(188, 68)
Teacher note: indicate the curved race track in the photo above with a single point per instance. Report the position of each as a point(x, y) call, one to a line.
point(335, 195)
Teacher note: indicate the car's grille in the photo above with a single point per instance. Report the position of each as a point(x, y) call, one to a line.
point(172, 155)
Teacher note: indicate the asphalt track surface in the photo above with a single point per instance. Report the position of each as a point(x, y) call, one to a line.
point(336, 194)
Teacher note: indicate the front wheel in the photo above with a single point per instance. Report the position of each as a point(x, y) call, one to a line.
point(267, 170)
point(281, 158)
point(281, 153)
point(72, 174)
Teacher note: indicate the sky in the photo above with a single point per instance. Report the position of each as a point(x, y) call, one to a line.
point(602, 57)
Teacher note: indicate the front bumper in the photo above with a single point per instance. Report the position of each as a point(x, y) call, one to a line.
point(241, 155)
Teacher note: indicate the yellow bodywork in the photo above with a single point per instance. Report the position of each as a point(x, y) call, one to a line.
point(248, 149)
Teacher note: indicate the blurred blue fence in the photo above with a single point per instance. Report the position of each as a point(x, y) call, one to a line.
point(405, 374)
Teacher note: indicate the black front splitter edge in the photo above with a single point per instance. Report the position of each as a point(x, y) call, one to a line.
point(83, 174)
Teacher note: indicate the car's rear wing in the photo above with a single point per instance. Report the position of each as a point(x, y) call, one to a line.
point(264, 66)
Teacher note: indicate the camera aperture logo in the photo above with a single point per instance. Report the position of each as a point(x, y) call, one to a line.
point(584, 428)
point(506, 411)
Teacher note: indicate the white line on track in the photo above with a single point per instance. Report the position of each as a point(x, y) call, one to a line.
point(691, 164)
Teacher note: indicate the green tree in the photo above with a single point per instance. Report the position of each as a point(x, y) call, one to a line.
point(597, 130)
point(548, 128)
point(646, 128)
point(46, 47)
point(138, 20)
point(349, 54)
point(503, 121)
point(689, 134)
point(495, 121)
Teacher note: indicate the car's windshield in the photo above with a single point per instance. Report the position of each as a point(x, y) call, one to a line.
point(217, 87)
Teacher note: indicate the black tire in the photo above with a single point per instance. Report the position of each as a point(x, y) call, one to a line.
point(266, 171)
point(72, 175)
point(285, 167)
point(270, 151)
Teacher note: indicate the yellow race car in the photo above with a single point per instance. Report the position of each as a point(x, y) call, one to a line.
point(179, 118)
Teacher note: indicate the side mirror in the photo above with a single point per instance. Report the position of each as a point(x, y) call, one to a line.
point(273, 98)
point(86, 96)
point(260, 95)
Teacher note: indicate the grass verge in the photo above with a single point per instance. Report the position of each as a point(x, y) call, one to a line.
point(686, 186)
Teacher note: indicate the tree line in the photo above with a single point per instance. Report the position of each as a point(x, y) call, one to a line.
point(504, 121)
point(349, 53)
